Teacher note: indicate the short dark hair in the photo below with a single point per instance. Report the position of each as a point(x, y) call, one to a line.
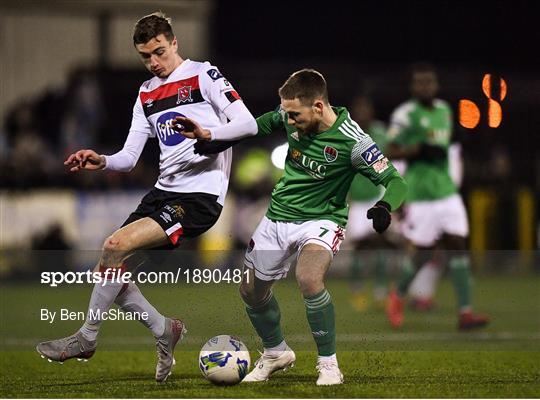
point(307, 85)
point(421, 67)
point(151, 26)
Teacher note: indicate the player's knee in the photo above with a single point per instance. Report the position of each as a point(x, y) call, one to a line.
point(421, 255)
point(454, 242)
point(247, 292)
point(309, 284)
point(117, 243)
point(251, 296)
point(115, 248)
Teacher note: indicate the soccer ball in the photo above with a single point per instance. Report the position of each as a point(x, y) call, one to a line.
point(224, 360)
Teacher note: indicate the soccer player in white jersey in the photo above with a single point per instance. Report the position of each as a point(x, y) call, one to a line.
point(189, 194)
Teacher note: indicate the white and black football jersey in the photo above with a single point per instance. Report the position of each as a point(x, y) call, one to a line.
point(195, 90)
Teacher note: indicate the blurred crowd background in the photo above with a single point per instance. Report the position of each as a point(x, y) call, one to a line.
point(70, 77)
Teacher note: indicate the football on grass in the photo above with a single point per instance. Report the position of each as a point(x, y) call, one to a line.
point(224, 360)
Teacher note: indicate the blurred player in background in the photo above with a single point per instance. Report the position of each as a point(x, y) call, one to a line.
point(188, 196)
point(253, 178)
point(306, 219)
point(424, 285)
point(435, 215)
point(368, 245)
point(373, 249)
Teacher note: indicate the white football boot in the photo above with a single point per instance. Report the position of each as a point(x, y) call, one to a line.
point(174, 332)
point(74, 346)
point(266, 365)
point(329, 373)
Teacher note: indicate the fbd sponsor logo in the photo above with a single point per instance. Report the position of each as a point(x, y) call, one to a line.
point(372, 154)
point(164, 129)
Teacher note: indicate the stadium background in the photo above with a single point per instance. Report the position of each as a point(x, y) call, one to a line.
point(70, 77)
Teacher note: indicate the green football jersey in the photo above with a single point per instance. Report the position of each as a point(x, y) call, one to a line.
point(412, 123)
point(362, 189)
point(319, 169)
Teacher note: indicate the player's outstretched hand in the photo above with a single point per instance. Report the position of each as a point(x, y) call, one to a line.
point(380, 214)
point(85, 159)
point(190, 128)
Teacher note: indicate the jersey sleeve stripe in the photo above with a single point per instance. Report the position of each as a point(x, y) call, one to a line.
point(351, 132)
point(355, 125)
point(342, 130)
point(353, 129)
point(232, 96)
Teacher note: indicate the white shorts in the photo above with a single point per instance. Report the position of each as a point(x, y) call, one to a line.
point(426, 221)
point(359, 226)
point(275, 245)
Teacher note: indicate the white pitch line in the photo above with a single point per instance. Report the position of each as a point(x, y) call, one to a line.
point(341, 338)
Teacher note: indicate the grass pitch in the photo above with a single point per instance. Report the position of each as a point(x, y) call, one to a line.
point(426, 358)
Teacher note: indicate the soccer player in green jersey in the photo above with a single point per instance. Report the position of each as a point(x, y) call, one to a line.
point(435, 215)
point(306, 219)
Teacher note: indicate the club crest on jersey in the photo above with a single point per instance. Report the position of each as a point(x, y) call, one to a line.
point(164, 129)
point(175, 210)
point(184, 95)
point(372, 154)
point(330, 154)
point(295, 154)
point(214, 74)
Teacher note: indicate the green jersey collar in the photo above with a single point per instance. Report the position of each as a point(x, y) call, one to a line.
point(342, 115)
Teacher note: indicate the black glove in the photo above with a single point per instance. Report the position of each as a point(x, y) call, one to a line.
point(380, 214)
point(430, 152)
point(205, 147)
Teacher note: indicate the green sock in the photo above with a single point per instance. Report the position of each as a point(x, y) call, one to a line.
point(320, 315)
point(407, 275)
point(265, 319)
point(460, 272)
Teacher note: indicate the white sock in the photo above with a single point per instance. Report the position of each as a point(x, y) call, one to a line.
point(328, 359)
point(132, 300)
point(101, 300)
point(277, 350)
point(424, 283)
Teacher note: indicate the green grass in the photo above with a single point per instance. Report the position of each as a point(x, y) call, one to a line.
point(426, 358)
point(368, 374)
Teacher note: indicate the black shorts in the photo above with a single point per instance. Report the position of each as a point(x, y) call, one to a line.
point(181, 215)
